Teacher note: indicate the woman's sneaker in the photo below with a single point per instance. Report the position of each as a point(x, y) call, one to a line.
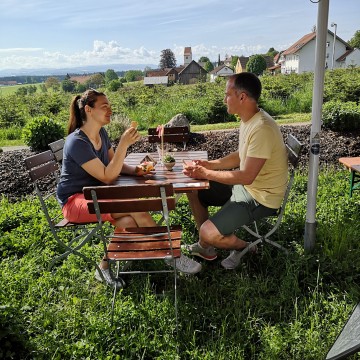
point(205, 253)
point(185, 265)
point(119, 284)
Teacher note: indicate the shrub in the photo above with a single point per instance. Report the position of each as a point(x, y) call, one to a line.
point(40, 131)
point(117, 126)
point(341, 116)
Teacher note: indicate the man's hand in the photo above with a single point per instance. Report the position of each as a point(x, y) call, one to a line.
point(195, 171)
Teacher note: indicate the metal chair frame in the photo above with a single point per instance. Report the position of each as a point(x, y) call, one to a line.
point(45, 165)
point(294, 148)
point(141, 243)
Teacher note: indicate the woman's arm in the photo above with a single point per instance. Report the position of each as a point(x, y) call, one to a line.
point(107, 174)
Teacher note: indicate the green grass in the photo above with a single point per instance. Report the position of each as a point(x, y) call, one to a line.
point(272, 307)
point(9, 90)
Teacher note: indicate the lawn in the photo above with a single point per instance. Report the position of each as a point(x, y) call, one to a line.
point(272, 306)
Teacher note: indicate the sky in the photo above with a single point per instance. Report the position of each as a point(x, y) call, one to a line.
point(56, 34)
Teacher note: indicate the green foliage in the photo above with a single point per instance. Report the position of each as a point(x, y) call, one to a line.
point(342, 85)
point(12, 111)
point(208, 66)
point(338, 116)
point(117, 126)
point(40, 131)
point(256, 64)
point(133, 75)
point(110, 75)
point(11, 133)
point(273, 306)
point(68, 85)
point(114, 85)
point(167, 59)
point(355, 40)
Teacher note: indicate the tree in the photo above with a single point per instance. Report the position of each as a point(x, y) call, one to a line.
point(256, 64)
point(355, 40)
point(208, 66)
point(234, 61)
point(96, 80)
point(110, 75)
point(204, 59)
point(167, 59)
point(52, 83)
point(114, 85)
point(133, 75)
point(68, 85)
point(272, 52)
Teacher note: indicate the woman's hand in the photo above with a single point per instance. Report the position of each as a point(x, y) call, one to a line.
point(129, 137)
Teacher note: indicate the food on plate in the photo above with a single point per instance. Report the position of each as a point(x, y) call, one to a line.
point(146, 167)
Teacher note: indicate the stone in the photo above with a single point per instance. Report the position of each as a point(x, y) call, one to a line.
point(178, 120)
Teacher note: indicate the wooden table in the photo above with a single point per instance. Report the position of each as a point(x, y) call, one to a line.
point(181, 182)
point(353, 164)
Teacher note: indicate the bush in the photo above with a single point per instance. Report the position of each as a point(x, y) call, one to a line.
point(117, 126)
point(40, 131)
point(341, 116)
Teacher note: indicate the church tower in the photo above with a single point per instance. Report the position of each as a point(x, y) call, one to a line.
point(187, 56)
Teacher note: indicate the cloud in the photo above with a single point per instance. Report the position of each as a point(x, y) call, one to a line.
point(112, 52)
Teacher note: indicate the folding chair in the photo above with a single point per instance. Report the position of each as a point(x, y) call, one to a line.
point(294, 149)
point(44, 166)
point(176, 134)
point(57, 149)
point(141, 243)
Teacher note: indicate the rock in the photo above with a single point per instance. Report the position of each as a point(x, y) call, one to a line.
point(178, 120)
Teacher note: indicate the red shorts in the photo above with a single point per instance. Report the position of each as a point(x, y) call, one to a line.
point(76, 211)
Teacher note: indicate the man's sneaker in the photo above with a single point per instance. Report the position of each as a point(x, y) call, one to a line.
point(119, 284)
point(185, 265)
point(233, 260)
point(197, 250)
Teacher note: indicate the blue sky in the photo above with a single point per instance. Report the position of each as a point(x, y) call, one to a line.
point(57, 34)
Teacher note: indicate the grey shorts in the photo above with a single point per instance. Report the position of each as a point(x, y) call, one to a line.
point(240, 209)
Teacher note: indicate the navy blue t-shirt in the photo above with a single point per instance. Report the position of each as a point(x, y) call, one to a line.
point(78, 150)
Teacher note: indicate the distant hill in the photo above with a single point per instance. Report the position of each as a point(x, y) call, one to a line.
point(73, 70)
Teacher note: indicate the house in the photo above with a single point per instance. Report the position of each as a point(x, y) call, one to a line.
point(222, 71)
point(241, 64)
point(156, 80)
point(189, 73)
point(243, 60)
point(192, 73)
point(300, 57)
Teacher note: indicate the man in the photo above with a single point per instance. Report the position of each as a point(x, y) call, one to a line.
point(253, 179)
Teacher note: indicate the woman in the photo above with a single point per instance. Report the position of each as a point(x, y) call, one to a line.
point(90, 160)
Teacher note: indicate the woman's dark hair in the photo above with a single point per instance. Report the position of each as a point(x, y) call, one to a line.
point(247, 82)
point(77, 108)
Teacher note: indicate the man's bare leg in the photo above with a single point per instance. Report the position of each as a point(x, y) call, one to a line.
point(199, 212)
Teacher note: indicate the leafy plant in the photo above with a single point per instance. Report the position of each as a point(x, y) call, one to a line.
point(40, 131)
point(168, 158)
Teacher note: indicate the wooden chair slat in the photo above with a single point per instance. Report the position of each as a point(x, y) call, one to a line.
point(146, 255)
point(131, 205)
point(143, 246)
point(43, 170)
point(39, 159)
point(126, 192)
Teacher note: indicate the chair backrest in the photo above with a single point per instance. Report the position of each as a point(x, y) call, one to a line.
point(57, 149)
point(294, 147)
point(127, 199)
point(176, 134)
point(40, 166)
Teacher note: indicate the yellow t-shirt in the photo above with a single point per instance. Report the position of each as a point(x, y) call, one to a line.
point(260, 137)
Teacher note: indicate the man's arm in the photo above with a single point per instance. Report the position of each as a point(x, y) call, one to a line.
point(246, 176)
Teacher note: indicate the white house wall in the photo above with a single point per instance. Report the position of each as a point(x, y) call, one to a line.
point(353, 59)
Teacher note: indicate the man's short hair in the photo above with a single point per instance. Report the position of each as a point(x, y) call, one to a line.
point(247, 82)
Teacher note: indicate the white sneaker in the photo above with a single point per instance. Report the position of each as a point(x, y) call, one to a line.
point(119, 284)
point(185, 265)
point(233, 260)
